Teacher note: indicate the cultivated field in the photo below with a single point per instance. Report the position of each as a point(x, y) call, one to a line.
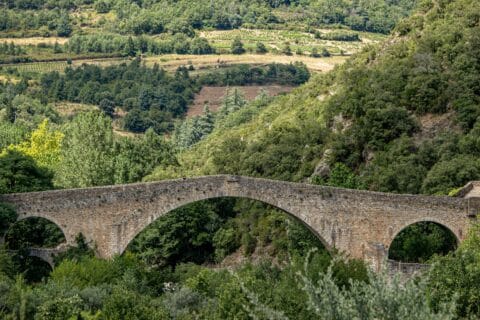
point(213, 96)
point(34, 40)
point(173, 61)
point(275, 40)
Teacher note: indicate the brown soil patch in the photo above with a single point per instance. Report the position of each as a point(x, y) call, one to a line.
point(34, 40)
point(433, 124)
point(173, 61)
point(213, 96)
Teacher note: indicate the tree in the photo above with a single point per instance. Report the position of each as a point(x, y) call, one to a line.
point(7, 217)
point(43, 146)
point(137, 157)
point(64, 28)
point(87, 152)
point(108, 107)
point(130, 49)
point(237, 46)
point(261, 48)
point(287, 50)
point(20, 173)
point(454, 277)
point(201, 46)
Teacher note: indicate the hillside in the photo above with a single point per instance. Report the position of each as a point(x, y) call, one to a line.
point(370, 120)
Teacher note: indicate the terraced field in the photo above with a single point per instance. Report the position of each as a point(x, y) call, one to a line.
point(299, 41)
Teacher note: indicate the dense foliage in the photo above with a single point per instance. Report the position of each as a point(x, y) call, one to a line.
point(160, 16)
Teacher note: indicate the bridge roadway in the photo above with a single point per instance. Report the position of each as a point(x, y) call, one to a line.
point(361, 224)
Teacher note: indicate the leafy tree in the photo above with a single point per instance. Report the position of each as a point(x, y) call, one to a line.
point(107, 106)
point(43, 146)
point(137, 157)
point(454, 277)
point(7, 217)
point(20, 173)
point(450, 174)
point(183, 235)
point(130, 49)
point(237, 46)
point(87, 152)
point(261, 48)
point(286, 50)
point(421, 241)
point(64, 28)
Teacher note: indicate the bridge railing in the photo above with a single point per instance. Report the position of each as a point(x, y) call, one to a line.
point(406, 268)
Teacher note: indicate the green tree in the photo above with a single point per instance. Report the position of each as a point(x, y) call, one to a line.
point(108, 107)
point(7, 217)
point(64, 28)
point(421, 241)
point(20, 173)
point(130, 49)
point(261, 48)
point(87, 152)
point(237, 46)
point(455, 277)
point(286, 50)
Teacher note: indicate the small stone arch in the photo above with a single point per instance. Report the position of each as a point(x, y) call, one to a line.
point(138, 230)
point(43, 253)
point(396, 231)
point(427, 220)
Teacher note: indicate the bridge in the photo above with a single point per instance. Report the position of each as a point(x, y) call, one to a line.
point(361, 224)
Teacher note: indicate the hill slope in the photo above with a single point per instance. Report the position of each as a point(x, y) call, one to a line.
point(400, 117)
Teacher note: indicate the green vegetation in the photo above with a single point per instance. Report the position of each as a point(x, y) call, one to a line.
point(400, 117)
point(155, 17)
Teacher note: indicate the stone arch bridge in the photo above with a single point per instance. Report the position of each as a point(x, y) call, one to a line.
point(360, 223)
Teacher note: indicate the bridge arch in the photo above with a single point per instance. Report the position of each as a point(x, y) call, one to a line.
point(37, 221)
point(450, 241)
point(157, 215)
point(394, 232)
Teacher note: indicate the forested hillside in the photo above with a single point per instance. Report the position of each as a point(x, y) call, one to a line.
point(398, 116)
point(155, 17)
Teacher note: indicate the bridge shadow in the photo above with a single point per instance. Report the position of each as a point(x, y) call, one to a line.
point(417, 243)
point(223, 230)
point(37, 235)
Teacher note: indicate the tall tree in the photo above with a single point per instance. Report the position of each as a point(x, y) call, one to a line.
point(87, 152)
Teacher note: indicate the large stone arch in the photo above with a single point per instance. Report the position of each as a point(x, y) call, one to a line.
point(131, 234)
point(278, 195)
